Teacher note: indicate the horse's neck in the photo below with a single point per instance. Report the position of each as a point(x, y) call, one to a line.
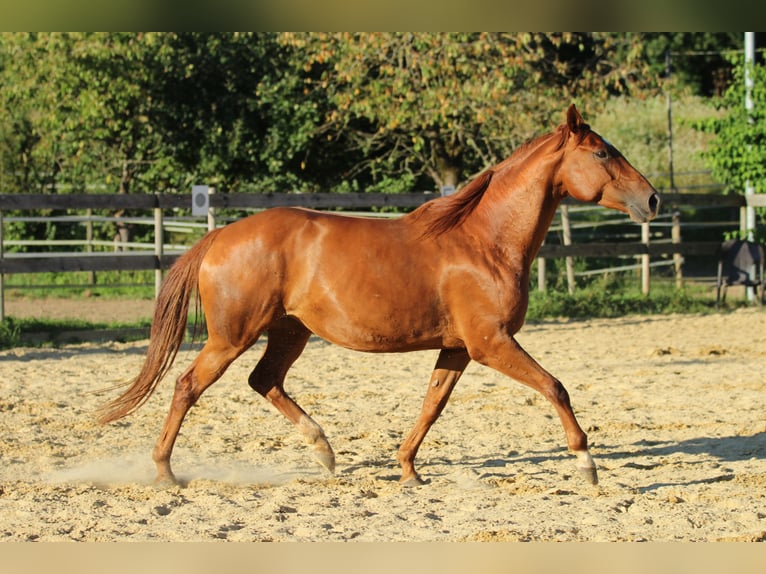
point(521, 207)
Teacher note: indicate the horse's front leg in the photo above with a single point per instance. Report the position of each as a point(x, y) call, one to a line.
point(449, 367)
point(504, 354)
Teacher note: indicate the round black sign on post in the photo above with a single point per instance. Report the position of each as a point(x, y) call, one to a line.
point(200, 199)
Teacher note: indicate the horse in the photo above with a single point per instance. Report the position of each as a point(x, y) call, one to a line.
point(452, 275)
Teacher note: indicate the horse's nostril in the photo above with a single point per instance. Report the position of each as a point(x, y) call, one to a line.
point(654, 203)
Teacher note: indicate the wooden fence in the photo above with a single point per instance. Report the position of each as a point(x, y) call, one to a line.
point(160, 258)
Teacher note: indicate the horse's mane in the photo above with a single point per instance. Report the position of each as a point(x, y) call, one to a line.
point(449, 212)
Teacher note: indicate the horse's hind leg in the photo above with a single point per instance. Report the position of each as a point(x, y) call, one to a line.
point(203, 372)
point(286, 341)
point(449, 367)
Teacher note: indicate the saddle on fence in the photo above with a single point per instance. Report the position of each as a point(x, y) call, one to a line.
point(740, 262)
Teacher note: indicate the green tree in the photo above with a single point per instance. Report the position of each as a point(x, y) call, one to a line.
point(27, 149)
point(699, 61)
point(77, 109)
point(152, 112)
point(440, 106)
point(218, 96)
point(737, 154)
point(79, 114)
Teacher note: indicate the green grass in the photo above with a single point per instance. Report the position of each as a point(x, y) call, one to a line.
point(36, 332)
point(135, 284)
point(598, 300)
point(594, 302)
point(53, 332)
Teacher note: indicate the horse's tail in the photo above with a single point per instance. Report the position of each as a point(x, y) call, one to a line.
point(167, 333)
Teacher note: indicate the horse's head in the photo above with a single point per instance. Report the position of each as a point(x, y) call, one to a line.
point(593, 170)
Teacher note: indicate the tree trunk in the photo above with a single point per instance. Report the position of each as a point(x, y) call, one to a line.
point(449, 176)
point(448, 160)
point(122, 235)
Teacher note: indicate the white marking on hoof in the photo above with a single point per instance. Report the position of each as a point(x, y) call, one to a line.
point(309, 429)
point(586, 466)
point(584, 459)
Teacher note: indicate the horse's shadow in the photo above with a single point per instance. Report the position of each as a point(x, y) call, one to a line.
point(68, 352)
point(724, 449)
point(637, 455)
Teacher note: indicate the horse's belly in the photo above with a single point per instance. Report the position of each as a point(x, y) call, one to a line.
point(369, 324)
point(363, 284)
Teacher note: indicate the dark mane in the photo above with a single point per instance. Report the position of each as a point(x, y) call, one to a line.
point(449, 212)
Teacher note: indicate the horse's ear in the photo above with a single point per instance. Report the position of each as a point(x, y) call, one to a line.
point(575, 123)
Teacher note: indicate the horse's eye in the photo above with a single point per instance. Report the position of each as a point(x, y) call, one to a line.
point(601, 154)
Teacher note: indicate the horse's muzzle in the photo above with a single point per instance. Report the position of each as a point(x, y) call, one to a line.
point(654, 204)
point(644, 210)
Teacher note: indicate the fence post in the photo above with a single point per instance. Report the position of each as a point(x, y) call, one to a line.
point(742, 222)
point(567, 229)
point(89, 242)
point(211, 213)
point(541, 273)
point(159, 241)
point(678, 260)
point(645, 259)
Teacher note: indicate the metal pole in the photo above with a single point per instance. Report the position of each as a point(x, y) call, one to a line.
point(158, 249)
point(749, 190)
point(670, 125)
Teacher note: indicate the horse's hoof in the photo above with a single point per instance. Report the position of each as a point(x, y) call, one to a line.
point(166, 481)
point(412, 481)
point(326, 458)
point(589, 473)
point(586, 466)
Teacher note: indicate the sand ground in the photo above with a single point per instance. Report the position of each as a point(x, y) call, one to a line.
point(673, 406)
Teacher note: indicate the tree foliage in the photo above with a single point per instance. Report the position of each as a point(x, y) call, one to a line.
point(153, 112)
point(231, 111)
point(439, 105)
point(737, 155)
point(83, 109)
point(700, 62)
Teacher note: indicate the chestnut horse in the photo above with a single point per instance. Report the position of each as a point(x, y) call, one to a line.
point(451, 275)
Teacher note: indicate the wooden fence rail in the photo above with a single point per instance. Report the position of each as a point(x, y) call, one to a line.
point(116, 202)
point(35, 202)
point(12, 263)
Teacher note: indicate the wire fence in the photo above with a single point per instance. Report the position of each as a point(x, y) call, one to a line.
point(578, 231)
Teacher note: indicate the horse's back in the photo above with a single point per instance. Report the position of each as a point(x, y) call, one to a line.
point(363, 283)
